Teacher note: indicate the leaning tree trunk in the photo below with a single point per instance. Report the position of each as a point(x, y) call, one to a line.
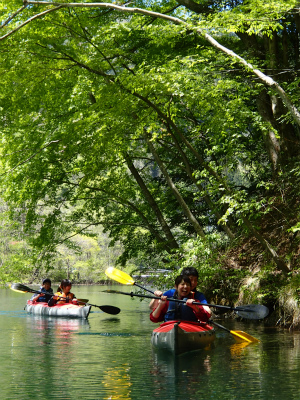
point(151, 201)
point(190, 216)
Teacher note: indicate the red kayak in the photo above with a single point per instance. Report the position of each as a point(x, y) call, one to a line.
point(182, 336)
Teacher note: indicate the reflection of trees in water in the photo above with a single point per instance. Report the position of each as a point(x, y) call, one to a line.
point(195, 374)
point(44, 347)
point(55, 339)
point(117, 382)
point(174, 374)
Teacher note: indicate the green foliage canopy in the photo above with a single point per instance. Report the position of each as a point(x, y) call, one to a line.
point(143, 126)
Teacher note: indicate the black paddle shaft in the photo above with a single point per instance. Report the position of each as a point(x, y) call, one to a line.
point(180, 301)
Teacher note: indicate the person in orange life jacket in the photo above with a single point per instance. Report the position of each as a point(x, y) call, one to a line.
point(63, 296)
point(171, 310)
point(45, 288)
point(192, 273)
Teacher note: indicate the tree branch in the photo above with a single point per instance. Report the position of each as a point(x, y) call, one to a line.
point(29, 158)
point(267, 80)
point(42, 14)
point(11, 17)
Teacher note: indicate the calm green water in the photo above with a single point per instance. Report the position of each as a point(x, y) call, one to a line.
point(110, 357)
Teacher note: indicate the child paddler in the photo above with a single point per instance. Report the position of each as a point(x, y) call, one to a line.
point(172, 310)
point(63, 296)
point(45, 289)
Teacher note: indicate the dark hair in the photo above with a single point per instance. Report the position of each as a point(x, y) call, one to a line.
point(181, 278)
point(190, 271)
point(47, 280)
point(65, 282)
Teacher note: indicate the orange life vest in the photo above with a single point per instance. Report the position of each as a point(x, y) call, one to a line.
point(66, 297)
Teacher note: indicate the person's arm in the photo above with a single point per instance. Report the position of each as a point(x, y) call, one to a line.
point(203, 313)
point(158, 314)
point(154, 302)
point(35, 298)
point(202, 299)
point(54, 299)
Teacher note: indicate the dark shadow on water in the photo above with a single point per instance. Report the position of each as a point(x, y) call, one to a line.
point(109, 321)
point(104, 334)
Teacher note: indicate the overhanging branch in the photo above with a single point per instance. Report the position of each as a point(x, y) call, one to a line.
point(42, 14)
point(267, 80)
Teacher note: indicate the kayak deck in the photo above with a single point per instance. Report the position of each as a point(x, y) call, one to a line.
point(182, 336)
point(67, 310)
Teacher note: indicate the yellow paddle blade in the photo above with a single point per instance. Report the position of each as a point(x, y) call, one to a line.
point(244, 336)
point(119, 276)
point(19, 291)
point(16, 290)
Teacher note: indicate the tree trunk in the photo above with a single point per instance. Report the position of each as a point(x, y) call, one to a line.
point(154, 206)
point(190, 216)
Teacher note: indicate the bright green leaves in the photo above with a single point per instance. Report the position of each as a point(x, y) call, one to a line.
point(94, 102)
point(252, 17)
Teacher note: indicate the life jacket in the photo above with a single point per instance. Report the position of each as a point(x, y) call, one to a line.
point(66, 297)
point(46, 296)
point(180, 311)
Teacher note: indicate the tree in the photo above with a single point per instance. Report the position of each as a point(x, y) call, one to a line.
point(107, 99)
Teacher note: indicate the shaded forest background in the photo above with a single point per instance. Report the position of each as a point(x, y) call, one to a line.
point(153, 135)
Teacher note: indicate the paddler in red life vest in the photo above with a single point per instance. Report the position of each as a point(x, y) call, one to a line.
point(172, 310)
point(63, 296)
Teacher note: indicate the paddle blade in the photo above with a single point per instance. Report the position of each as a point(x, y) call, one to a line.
point(82, 301)
point(110, 309)
point(18, 287)
point(252, 311)
point(119, 276)
point(240, 335)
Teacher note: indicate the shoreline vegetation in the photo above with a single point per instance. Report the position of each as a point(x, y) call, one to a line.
point(228, 275)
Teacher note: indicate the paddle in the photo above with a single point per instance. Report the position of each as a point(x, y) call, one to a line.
point(239, 334)
point(123, 278)
point(18, 287)
point(256, 314)
point(107, 309)
point(251, 311)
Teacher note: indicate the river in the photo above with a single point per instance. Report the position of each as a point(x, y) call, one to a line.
point(110, 357)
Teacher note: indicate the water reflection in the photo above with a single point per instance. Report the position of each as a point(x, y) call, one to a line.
point(172, 372)
point(236, 349)
point(166, 363)
point(117, 382)
point(109, 357)
point(44, 322)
